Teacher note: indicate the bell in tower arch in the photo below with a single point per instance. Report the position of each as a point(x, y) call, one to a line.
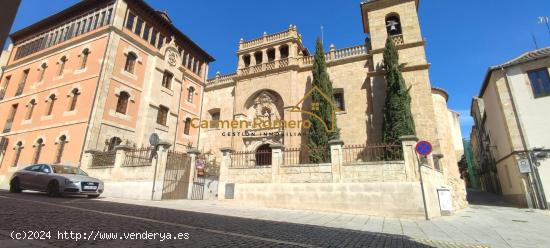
point(393, 25)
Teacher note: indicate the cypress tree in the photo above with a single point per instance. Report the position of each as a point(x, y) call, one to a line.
point(398, 119)
point(318, 134)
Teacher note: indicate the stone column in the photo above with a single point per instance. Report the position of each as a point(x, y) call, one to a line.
point(88, 158)
point(193, 153)
point(224, 170)
point(408, 144)
point(159, 163)
point(336, 159)
point(276, 161)
point(277, 52)
point(264, 56)
point(121, 154)
point(252, 60)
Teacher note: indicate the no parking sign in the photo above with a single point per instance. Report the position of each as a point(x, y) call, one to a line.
point(424, 148)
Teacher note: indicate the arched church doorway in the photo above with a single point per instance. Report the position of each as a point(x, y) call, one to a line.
point(263, 155)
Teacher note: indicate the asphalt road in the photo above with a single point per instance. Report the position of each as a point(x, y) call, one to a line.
point(93, 223)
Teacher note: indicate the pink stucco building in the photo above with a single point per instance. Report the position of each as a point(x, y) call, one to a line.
point(95, 75)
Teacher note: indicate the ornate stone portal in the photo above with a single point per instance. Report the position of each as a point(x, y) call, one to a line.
point(265, 108)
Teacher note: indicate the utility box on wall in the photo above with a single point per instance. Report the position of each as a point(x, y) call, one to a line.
point(229, 191)
point(445, 201)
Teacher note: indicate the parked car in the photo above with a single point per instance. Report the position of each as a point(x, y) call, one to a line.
point(56, 180)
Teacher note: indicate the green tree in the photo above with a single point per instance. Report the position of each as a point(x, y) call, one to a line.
point(398, 120)
point(322, 107)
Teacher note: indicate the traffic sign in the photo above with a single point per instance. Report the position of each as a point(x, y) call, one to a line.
point(424, 148)
point(154, 139)
point(200, 164)
point(524, 166)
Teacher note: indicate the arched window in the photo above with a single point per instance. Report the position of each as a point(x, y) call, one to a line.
point(187, 126)
point(74, 99)
point(51, 103)
point(393, 25)
point(42, 72)
point(113, 142)
point(122, 103)
point(30, 109)
point(62, 63)
point(284, 50)
point(258, 56)
point(263, 155)
point(215, 116)
point(60, 149)
point(190, 94)
point(167, 80)
point(18, 148)
point(130, 62)
point(37, 150)
point(162, 115)
point(84, 58)
point(270, 54)
point(246, 60)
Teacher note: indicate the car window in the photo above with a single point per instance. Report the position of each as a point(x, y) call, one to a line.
point(66, 169)
point(45, 167)
point(29, 168)
point(35, 167)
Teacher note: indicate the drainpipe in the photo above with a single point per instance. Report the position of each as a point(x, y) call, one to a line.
point(540, 199)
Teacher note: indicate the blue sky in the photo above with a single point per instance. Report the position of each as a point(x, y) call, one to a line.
point(463, 37)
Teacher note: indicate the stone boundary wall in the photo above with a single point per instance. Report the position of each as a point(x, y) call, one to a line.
point(135, 182)
point(398, 189)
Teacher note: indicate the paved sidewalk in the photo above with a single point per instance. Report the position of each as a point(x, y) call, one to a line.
point(494, 226)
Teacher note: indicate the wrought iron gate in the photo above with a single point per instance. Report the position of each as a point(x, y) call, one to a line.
point(176, 177)
point(198, 188)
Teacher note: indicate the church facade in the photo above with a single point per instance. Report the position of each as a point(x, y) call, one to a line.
point(274, 75)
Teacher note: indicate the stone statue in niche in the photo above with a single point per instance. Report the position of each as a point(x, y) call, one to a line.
point(265, 108)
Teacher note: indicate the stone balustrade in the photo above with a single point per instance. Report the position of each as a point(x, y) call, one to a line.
point(289, 33)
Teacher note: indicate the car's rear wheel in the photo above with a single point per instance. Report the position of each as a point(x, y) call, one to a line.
point(93, 196)
point(14, 186)
point(53, 189)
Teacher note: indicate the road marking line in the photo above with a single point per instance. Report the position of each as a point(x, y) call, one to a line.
point(169, 223)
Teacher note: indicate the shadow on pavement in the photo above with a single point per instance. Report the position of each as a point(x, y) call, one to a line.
point(477, 197)
point(208, 229)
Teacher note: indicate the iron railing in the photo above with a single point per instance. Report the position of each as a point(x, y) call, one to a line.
point(371, 153)
point(103, 159)
point(20, 88)
point(138, 157)
point(306, 155)
point(251, 159)
point(7, 127)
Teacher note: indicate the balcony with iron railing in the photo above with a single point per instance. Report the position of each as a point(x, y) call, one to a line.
point(7, 127)
point(20, 88)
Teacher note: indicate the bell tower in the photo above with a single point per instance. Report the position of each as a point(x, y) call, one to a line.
point(398, 20)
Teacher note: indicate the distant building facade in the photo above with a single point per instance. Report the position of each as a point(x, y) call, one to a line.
point(511, 129)
point(96, 75)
